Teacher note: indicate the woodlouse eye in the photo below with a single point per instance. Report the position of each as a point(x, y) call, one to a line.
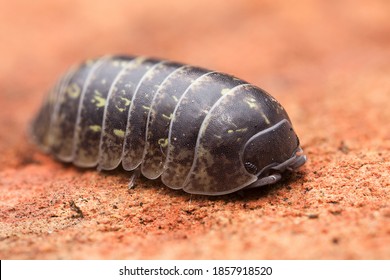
point(251, 168)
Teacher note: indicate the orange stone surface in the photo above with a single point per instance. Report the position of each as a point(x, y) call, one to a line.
point(327, 62)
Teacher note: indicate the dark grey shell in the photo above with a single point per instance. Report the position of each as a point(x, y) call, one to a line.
point(201, 131)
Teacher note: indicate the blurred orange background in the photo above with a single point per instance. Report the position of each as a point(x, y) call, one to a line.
point(327, 62)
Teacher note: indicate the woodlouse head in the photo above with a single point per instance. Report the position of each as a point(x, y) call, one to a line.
point(273, 150)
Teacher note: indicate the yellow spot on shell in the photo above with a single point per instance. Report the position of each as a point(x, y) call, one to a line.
point(95, 128)
point(224, 91)
point(167, 117)
point(265, 118)
point(138, 61)
point(163, 142)
point(120, 109)
point(73, 90)
point(175, 98)
point(238, 130)
point(119, 132)
point(127, 101)
point(120, 63)
point(98, 100)
point(251, 102)
point(146, 107)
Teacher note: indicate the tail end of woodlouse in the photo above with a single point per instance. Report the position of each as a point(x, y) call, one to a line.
point(38, 128)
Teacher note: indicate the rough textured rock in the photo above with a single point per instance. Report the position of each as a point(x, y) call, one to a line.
point(327, 62)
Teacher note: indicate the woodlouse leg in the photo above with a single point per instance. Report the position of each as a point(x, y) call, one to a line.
point(271, 179)
point(133, 178)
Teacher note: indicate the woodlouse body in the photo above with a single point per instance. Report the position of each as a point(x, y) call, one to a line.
point(201, 131)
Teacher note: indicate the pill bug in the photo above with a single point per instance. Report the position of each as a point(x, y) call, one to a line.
point(202, 131)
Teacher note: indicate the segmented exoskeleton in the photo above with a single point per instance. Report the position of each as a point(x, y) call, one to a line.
point(202, 131)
